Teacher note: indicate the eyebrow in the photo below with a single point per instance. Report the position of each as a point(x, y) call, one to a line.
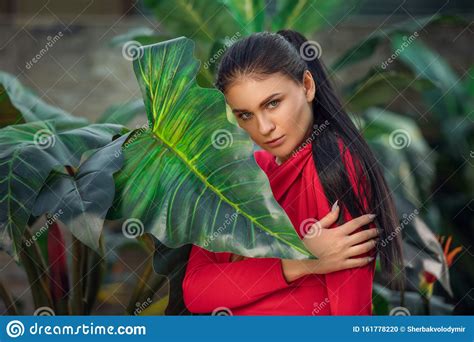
point(261, 104)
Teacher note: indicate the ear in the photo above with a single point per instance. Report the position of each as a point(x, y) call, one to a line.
point(309, 86)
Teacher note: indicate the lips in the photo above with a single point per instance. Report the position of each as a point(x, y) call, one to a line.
point(276, 142)
point(272, 141)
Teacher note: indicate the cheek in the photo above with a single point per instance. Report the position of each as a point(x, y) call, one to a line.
point(297, 115)
point(251, 130)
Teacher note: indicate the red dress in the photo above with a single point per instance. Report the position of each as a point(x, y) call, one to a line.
point(256, 286)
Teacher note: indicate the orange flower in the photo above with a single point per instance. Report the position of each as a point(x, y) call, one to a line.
point(450, 255)
point(428, 279)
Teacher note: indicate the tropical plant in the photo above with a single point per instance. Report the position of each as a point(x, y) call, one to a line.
point(58, 167)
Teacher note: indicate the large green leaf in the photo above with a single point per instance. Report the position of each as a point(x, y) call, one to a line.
point(211, 23)
point(20, 105)
point(123, 113)
point(204, 21)
point(368, 45)
point(448, 103)
point(402, 150)
point(378, 88)
point(28, 153)
point(468, 82)
point(191, 177)
point(448, 98)
point(249, 14)
point(83, 198)
point(308, 16)
point(142, 35)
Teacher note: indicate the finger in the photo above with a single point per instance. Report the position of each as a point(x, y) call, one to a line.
point(352, 225)
point(236, 257)
point(330, 218)
point(362, 248)
point(362, 236)
point(357, 262)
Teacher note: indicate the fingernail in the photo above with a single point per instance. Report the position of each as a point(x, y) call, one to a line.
point(334, 206)
point(371, 258)
point(372, 216)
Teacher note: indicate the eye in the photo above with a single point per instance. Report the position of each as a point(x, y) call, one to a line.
point(273, 104)
point(245, 116)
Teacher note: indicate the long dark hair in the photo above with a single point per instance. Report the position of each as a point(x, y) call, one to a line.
point(287, 52)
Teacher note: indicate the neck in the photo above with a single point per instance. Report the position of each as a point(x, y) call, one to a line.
point(281, 160)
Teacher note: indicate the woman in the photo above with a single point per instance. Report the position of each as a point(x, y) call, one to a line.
point(313, 155)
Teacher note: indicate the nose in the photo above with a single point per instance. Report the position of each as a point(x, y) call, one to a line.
point(265, 125)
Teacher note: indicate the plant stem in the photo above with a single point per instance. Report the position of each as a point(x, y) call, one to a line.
point(77, 298)
point(8, 300)
point(155, 284)
point(426, 305)
point(96, 267)
point(142, 281)
point(33, 263)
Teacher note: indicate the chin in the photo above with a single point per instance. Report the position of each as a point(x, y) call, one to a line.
point(283, 153)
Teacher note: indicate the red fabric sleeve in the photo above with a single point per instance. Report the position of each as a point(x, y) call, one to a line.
point(350, 291)
point(209, 284)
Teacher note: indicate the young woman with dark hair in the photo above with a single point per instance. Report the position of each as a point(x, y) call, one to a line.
point(315, 158)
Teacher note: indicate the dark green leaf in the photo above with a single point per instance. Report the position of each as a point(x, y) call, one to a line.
point(85, 197)
point(20, 105)
point(28, 153)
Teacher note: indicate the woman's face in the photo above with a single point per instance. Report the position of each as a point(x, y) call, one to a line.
point(274, 110)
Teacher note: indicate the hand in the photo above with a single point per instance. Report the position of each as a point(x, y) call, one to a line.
point(334, 248)
point(322, 242)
